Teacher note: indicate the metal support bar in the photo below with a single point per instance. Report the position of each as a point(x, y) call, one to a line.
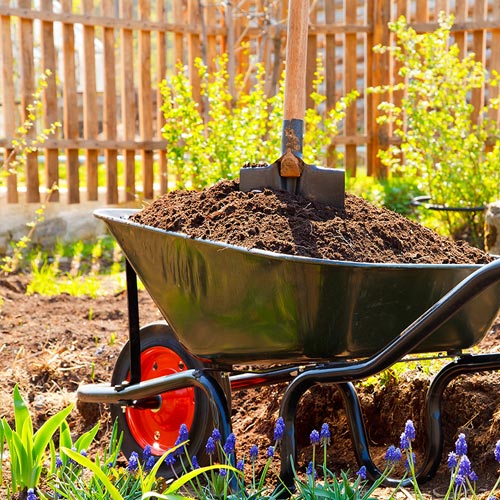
point(133, 324)
point(411, 337)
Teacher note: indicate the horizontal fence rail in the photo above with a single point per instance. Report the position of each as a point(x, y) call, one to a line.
point(107, 59)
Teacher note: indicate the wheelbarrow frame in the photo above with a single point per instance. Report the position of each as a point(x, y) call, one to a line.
point(342, 373)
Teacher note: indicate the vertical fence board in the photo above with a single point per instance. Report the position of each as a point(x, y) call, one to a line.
point(8, 100)
point(178, 15)
point(479, 49)
point(312, 54)
point(128, 106)
point(330, 69)
point(422, 11)
point(194, 50)
point(145, 100)
point(211, 43)
point(494, 65)
point(27, 71)
point(110, 105)
point(461, 36)
point(50, 112)
point(350, 83)
point(70, 102)
point(90, 108)
point(380, 71)
point(161, 63)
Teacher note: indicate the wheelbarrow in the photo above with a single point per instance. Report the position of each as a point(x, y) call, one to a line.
point(299, 320)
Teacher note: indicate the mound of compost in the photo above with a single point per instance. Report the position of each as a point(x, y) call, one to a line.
point(285, 223)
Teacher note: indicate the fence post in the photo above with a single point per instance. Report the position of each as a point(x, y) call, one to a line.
point(380, 75)
point(350, 84)
point(145, 100)
point(128, 106)
point(90, 110)
point(70, 99)
point(50, 111)
point(27, 89)
point(8, 100)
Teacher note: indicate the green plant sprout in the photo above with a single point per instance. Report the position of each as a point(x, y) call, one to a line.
point(27, 448)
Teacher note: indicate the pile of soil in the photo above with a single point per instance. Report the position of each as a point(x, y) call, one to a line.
point(282, 222)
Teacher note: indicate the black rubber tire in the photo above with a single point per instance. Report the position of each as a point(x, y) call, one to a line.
point(155, 335)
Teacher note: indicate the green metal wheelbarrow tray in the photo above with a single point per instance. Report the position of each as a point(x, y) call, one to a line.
point(300, 320)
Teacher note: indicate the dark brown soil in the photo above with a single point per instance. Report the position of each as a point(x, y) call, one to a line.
point(281, 222)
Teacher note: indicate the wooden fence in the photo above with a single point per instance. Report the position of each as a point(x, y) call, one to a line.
point(108, 57)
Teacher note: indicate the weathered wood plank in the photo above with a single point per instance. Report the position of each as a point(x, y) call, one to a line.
point(350, 83)
point(27, 70)
point(146, 101)
point(8, 100)
point(110, 105)
point(50, 108)
point(161, 68)
point(128, 104)
point(70, 103)
point(90, 107)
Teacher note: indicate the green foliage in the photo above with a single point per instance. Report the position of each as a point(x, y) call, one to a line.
point(206, 145)
point(75, 268)
point(27, 448)
point(455, 157)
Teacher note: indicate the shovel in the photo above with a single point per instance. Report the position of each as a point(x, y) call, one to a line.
point(289, 172)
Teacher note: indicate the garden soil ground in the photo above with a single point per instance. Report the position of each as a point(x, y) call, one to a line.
point(51, 345)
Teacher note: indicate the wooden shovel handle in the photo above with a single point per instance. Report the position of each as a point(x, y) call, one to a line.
point(296, 60)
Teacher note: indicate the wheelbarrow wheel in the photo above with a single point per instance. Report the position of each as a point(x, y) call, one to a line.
point(162, 354)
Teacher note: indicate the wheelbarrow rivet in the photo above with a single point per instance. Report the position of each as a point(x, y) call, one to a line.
point(157, 435)
point(182, 366)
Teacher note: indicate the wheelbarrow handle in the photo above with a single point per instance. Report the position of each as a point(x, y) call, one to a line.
point(295, 76)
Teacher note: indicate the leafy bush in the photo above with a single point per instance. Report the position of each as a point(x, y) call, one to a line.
point(207, 144)
point(455, 158)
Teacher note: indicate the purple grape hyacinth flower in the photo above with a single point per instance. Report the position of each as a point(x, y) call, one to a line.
point(194, 462)
point(133, 462)
point(461, 445)
point(410, 430)
point(146, 453)
point(452, 460)
point(270, 452)
point(31, 495)
point(59, 462)
point(404, 442)
point(216, 436)
point(223, 472)
point(254, 452)
point(279, 429)
point(362, 472)
point(230, 444)
point(240, 465)
point(210, 446)
point(393, 455)
point(464, 468)
point(149, 464)
point(314, 437)
point(170, 459)
point(497, 451)
point(311, 471)
point(325, 435)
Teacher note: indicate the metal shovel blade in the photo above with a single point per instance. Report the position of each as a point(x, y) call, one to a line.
point(325, 185)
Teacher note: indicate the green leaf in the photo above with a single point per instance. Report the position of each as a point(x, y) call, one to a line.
point(85, 462)
point(21, 412)
point(84, 441)
point(46, 432)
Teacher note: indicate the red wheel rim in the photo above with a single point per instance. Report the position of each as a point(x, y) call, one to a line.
point(160, 428)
